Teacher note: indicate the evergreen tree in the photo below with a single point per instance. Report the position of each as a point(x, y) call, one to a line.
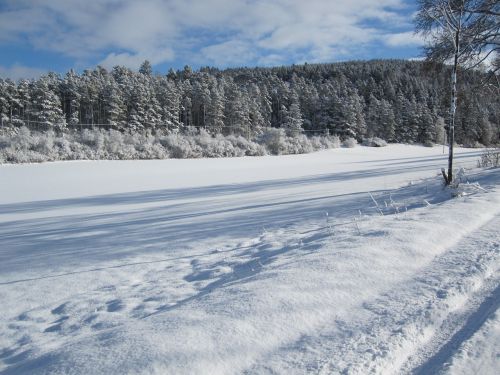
point(292, 117)
point(47, 105)
point(399, 101)
point(146, 68)
point(215, 112)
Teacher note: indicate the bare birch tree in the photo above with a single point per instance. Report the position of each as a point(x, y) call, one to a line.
point(465, 32)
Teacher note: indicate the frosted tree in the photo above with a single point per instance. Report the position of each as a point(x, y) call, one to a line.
point(47, 105)
point(264, 101)
point(310, 103)
point(466, 31)
point(10, 102)
point(200, 100)
point(186, 111)
point(396, 100)
point(237, 111)
point(146, 68)
point(153, 110)
point(259, 116)
point(215, 112)
point(114, 106)
point(71, 97)
point(24, 100)
point(4, 104)
point(425, 126)
point(292, 117)
point(387, 122)
point(169, 99)
point(347, 112)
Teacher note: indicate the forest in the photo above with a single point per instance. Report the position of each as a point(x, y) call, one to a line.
point(395, 100)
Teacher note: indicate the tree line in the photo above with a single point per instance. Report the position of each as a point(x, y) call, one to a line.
point(396, 100)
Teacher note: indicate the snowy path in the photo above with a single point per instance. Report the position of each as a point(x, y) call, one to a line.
point(423, 321)
point(232, 265)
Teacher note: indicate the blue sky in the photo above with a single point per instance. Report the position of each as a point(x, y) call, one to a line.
point(55, 35)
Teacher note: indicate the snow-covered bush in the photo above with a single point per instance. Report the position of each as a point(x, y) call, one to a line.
point(219, 147)
point(325, 142)
point(92, 138)
point(330, 141)
point(20, 145)
point(274, 140)
point(63, 148)
point(246, 147)
point(428, 143)
point(43, 143)
point(181, 147)
point(472, 144)
point(490, 158)
point(374, 142)
point(349, 143)
point(299, 144)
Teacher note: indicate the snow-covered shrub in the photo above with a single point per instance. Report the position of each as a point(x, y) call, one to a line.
point(490, 158)
point(274, 140)
point(374, 142)
point(92, 138)
point(428, 143)
point(334, 141)
point(245, 146)
point(80, 151)
point(153, 151)
point(20, 145)
point(316, 143)
point(326, 142)
point(474, 144)
point(349, 143)
point(299, 144)
point(117, 148)
point(63, 148)
point(181, 147)
point(21, 140)
point(213, 147)
point(219, 147)
point(461, 186)
point(43, 143)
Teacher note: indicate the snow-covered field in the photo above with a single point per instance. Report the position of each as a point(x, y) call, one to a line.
point(348, 261)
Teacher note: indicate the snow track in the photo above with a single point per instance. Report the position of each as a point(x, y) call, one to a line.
point(415, 327)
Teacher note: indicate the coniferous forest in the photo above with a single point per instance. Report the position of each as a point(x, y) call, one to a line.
point(245, 111)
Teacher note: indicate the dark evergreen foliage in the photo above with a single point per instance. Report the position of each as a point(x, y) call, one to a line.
point(396, 100)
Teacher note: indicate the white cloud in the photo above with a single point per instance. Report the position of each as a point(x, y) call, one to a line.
point(408, 38)
point(223, 32)
point(17, 71)
point(133, 61)
point(271, 60)
point(232, 52)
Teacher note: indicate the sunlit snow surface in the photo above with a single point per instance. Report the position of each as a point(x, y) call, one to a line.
point(347, 260)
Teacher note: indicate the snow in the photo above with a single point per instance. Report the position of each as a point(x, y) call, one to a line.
point(480, 354)
point(346, 260)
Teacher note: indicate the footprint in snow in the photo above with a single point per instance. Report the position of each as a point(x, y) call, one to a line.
point(59, 309)
point(114, 305)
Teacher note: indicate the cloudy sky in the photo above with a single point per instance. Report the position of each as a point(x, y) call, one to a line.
point(56, 35)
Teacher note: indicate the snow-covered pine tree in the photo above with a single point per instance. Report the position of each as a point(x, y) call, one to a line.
point(237, 112)
point(146, 68)
point(4, 104)
point(215, 112)
point(47, 108)
point(24, 100)
point(292, 117)
point(169, 98)
point(115, 110)
point(70, 89)
point(387, 122)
